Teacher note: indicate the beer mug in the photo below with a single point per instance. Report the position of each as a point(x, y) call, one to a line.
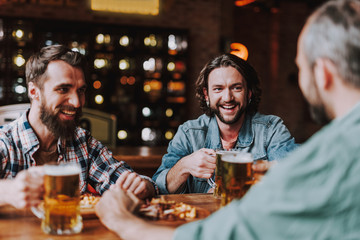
point(217, 183)
point(60, 212)
point(237, 175)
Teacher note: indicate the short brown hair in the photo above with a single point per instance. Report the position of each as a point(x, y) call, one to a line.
point(37, 64)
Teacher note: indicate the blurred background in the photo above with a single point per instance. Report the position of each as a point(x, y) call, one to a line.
point(145, 55)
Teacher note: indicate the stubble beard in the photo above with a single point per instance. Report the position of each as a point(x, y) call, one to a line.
point(318, 114)
point(317, 109)
point(235, 119)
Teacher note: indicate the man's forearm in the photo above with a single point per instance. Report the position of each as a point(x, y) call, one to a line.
point(137, 229)
point(176, 177)
point(4, 184)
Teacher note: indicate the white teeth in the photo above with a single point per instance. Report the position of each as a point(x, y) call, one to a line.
point(69, 112)
point(228, 107)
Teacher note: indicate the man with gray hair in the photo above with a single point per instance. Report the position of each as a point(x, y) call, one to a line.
point(314, 194)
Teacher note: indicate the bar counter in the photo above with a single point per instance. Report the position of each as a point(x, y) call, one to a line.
point(143, 159)
point(22, 224)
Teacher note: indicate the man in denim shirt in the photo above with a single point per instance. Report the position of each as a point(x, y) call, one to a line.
point(229, 94)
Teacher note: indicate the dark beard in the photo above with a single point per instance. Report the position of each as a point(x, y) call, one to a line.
point(318, 114)
point(238, 115)
point(60, 129)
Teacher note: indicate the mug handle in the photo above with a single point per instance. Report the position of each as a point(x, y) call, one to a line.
point(38, 212)
point(211, 183)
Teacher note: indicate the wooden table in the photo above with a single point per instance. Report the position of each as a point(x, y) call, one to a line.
point(22, 224)
point(143, 159)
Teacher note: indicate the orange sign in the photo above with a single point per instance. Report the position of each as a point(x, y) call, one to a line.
point(240, 3)
point(239, 50)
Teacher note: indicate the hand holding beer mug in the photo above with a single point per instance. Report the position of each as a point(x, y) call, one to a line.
point(237, 175)
point(61, 209)
point(217, 184)
point(260, 168)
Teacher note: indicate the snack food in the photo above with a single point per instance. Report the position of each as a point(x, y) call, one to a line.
point(88, 201)
point(161, 209)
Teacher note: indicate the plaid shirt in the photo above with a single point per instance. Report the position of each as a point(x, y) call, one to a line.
point(18, 143)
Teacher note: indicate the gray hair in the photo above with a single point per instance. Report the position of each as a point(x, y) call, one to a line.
point(334, 33)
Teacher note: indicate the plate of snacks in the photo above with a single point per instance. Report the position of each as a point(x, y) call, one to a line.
point(87, 205)
point(162, 211)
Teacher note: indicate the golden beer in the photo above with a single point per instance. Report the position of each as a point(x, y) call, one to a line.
point(218, 177)
point(62, 200)
point(237, 176)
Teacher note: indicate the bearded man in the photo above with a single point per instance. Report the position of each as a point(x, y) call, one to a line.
point(229, 94)
point(315, 193)
point(49, 132)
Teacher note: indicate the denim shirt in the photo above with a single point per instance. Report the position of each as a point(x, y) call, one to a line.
point(265, 136)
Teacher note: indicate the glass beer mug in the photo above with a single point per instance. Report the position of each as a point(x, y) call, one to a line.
point(237, 175)
point(217, 184)
point(60, 212)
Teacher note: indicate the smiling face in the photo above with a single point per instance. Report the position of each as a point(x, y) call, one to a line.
point(227, 94)
point(62, 98)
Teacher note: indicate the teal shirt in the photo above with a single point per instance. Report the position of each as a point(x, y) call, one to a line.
point(314, 194)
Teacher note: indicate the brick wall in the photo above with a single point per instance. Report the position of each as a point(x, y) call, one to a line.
point(202, 19)
point(271, 38)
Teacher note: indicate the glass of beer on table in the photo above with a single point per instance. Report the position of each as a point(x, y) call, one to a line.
point(60, 212)
point(236, 175)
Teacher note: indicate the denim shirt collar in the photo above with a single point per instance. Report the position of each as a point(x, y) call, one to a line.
point(212, 140)
point(245, 137)
point(246, 134)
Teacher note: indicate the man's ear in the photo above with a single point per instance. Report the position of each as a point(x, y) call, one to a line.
point(206, 94)
point(33, 91)
point(324, 72)
point(249, 96)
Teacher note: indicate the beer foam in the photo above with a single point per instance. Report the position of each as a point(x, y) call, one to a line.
point(62, 169)
point(239, 157)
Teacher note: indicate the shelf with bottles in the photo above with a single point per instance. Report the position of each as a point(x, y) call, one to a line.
point(131, 70)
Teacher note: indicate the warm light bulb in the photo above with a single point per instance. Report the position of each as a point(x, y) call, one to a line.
point(99, 99)
point(122, 134)
point(99, 63)
point(124, 41)
point(171, 66)
point(169, 112)
point(97, 84)
point(19, 33)
point(19, 60)
point(100, 38)
point(146, 112)
point(124, 64)
point(169, 135)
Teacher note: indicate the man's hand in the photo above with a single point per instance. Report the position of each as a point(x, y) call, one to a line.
point(260, 167)
point(115, 211)
point(115, 206)
point(201, 163)
point(132, 182)
point(26, 190)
